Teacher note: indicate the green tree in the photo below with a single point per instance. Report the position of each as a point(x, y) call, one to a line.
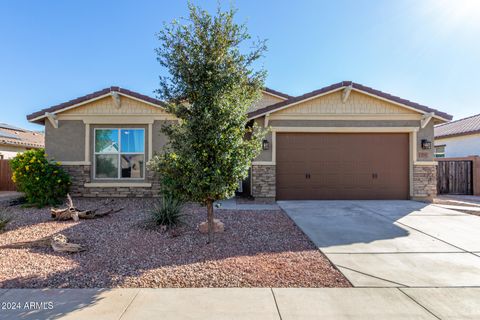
point(210, 86)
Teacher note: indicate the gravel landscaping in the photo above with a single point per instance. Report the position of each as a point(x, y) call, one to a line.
point(257, 249)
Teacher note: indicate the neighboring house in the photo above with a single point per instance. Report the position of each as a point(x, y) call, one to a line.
point(344, 141)
point(14, 140)
point(459, 138)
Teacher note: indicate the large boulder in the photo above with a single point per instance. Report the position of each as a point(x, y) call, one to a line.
point(218, 226)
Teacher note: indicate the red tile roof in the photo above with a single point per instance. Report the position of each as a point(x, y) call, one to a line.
point(469, 125)
point(358, 86)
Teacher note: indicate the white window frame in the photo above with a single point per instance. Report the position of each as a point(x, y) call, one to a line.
point(435, 151)
point(119, 154)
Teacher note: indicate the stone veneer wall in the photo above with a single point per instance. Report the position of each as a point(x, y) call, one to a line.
point(424, 181)
point(263, 181)
point(81, 174)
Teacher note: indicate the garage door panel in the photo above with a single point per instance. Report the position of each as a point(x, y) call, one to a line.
point(342, 166)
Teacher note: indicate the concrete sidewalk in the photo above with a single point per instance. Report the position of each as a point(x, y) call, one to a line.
point(238, 303)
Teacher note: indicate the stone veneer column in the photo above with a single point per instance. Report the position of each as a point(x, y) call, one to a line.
point(424, 182)
point(263, 181)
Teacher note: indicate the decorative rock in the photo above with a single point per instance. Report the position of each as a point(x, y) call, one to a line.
point(218, 226)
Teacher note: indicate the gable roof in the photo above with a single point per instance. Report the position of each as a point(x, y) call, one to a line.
point(14, 136)
point(36, 116)
point(356, 86)
point(39, 115)
point(469, 125)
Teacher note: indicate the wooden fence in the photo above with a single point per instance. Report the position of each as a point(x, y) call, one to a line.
point(6, 183)
point(458, 175)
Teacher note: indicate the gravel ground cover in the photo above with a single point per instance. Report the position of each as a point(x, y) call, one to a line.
point(257, 249)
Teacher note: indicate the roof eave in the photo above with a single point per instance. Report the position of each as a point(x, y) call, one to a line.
point(39, 116)
point(452, 135)
point(339, 86)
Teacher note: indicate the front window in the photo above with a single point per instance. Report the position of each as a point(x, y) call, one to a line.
point(119, 153)
point(440, 151)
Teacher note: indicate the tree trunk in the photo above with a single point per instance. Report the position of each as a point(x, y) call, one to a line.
point(210, 221)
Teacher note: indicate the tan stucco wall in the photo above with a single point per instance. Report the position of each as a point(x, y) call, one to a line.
point(425, 133)
point(265, 155)
point(159, 139)
point(67, 142)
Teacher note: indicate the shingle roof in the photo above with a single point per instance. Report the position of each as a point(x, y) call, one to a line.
point(358, 86)
point(11, 135)
point(469, 125)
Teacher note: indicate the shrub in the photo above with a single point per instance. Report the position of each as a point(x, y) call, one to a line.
point(5, 218)
point(43, 181)
point(168, 212)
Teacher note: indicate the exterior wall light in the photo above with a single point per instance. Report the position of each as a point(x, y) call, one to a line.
point(265, 144)
point(426, 144)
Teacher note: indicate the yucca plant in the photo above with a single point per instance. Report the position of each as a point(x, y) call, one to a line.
point(168, 212)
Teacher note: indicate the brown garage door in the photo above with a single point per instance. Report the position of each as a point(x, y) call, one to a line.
point(342, 166)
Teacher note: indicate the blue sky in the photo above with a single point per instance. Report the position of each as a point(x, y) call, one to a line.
point(426, 51)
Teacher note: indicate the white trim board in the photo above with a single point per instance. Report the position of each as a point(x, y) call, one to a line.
point(425, 163)
point(117, 185)
point(345, 129)
point(362, 117)
point(75, 163)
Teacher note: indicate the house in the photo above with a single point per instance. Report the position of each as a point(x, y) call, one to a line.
point(344, 141)
point(14, 140)
point(460, 138)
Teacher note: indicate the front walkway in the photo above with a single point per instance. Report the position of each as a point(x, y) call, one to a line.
point(237, 204)
point(393, 243)
point(233, 303)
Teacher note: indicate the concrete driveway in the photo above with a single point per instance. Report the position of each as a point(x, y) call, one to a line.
point(393, 243)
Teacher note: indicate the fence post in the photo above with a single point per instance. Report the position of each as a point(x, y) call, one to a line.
point(476, 175)
point(6, 183)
